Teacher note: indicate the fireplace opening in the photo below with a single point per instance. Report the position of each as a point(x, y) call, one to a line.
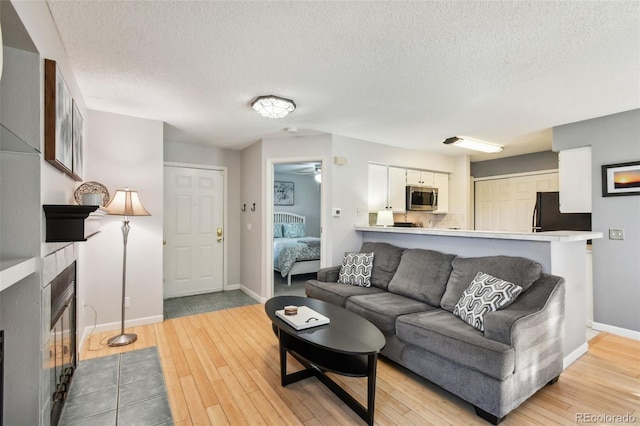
point(62, 346)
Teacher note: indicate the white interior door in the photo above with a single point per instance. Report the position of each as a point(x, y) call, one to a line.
point(193, 231)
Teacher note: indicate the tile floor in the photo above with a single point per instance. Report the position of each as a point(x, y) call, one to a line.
point(209, 302)
point(122, 389)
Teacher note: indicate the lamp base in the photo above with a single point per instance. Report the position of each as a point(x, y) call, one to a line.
point(122, 339)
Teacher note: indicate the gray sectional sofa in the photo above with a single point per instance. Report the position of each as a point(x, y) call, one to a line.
point(411, 300)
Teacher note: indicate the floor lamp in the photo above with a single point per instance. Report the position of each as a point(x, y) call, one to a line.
point(125, 203)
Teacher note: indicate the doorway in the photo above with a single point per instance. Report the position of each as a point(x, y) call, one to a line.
point(194, 230)
point(297, 197)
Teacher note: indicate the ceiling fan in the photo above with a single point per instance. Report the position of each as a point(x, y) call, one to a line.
point(311, 170)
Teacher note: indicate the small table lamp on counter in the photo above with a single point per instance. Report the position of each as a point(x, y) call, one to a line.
point(125, 203)
point(385, 218)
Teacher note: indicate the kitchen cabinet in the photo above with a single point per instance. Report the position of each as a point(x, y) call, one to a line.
point(575, 180)
point(441, 181)
point(386, 188)
point(420, 177)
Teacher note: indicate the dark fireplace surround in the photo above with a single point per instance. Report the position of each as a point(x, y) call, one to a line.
point(62, 347)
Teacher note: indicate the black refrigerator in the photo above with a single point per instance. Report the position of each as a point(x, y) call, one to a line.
point(547, 216)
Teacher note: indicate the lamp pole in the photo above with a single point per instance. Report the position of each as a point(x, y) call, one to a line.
point(123, 339)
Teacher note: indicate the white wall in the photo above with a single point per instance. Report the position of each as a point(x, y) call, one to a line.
point(121, 152)
point(232, 160)
point(616, 286)
point(252, 239)
point(346, 188)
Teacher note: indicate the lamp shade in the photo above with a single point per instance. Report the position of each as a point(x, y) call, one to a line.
point(126, 203)
point(385, 218)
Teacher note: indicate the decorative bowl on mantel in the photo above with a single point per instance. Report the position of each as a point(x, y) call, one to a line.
point(92, 188)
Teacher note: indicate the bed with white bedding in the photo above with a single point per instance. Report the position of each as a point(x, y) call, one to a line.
point(293, 252)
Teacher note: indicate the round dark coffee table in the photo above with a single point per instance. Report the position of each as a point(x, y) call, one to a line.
point(348, 345)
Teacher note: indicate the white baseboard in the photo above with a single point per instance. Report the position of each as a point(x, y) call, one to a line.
point(573, 356)
point(115, 326)
point(233, 287)
point(618, 331)
point(252, 294)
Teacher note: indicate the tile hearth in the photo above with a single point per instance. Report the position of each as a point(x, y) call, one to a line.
point(120, 389)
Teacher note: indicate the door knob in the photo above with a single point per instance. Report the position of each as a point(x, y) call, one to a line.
point(219, 233)
point(164, 242)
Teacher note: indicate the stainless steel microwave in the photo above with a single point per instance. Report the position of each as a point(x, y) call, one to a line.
point(421, 198)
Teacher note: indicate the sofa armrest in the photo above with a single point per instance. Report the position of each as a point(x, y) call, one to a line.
point(537, 314)
point(329, 275)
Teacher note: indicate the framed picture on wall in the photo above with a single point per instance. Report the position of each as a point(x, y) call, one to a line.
point(283, 193)
point(621, 179)
point(58, 119)
point(76, 142)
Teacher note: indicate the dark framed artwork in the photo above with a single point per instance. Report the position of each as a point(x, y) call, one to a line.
point(283, 193)
point(77, 143)
point(58, 119)
point(621, 179)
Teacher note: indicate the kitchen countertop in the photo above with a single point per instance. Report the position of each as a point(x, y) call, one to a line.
point(560, 236)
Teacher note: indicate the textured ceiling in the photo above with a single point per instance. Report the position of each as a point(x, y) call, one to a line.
point(400, 73)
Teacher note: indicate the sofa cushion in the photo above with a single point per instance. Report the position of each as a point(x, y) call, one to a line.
point(443, 334)
point(486, 293)
point(382, 309)
point(336, 293)
point(356, 269)
point(422, 275)
point(518, 270)
point(385, 262)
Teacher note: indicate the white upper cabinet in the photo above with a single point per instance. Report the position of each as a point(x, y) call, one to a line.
point(397, 184)
point(441, 181)
point(386, 188)
point(378, 187)
point(420, 177)
point(575, 180)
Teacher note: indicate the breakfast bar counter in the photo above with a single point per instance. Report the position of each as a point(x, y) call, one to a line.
point(562, 253)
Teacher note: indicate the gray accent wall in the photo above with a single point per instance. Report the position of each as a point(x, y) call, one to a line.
point(306, 200)
point(616, 269)
point(545, 160)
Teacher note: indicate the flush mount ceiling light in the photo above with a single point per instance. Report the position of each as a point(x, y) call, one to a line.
point(273, 106)
point(476, 145)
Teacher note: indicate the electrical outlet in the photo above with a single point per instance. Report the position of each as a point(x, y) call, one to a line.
point(127, 302)
point(616, 234)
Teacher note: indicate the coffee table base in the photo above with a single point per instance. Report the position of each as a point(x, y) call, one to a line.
point(311, 370)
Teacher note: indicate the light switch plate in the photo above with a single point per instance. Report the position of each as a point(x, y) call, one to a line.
point(616, 234)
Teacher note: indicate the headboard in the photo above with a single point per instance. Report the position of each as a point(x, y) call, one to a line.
point(286, 217)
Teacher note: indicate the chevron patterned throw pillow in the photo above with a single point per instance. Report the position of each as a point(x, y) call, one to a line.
point(486, 293)
point(356, 269)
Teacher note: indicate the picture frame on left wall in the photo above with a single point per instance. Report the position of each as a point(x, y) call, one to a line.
point(77, 139)
point(58, 121)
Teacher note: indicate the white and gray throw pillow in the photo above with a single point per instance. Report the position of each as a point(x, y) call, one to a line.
point(486, 293)
point(356, 269)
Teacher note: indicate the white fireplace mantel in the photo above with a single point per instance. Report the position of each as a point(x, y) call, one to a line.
point(15, 270)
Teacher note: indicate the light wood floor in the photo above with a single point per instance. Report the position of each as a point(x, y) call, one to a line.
point(222, 368)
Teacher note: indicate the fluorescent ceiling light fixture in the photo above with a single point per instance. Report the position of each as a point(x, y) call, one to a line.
point(476, 145)
point(273, 106)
